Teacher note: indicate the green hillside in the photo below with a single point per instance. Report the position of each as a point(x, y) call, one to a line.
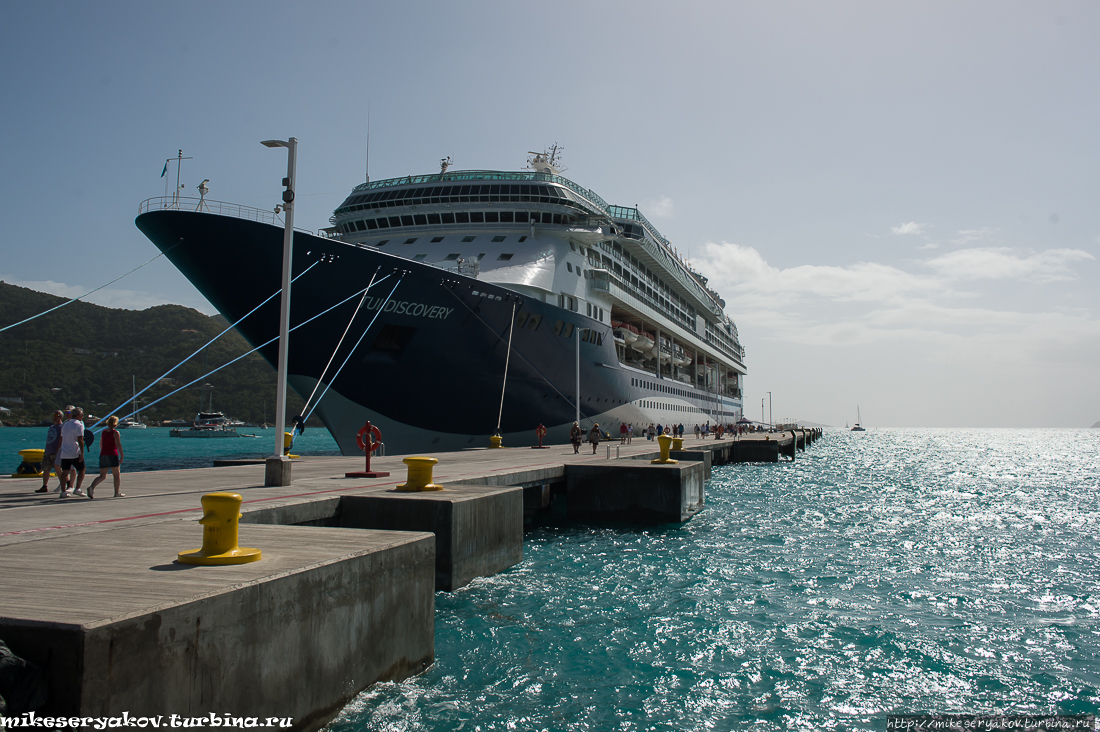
point(89, 354)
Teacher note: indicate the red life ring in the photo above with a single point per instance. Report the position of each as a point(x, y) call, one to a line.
point(376, 438)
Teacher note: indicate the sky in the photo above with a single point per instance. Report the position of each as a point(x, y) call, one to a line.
point(898, 201)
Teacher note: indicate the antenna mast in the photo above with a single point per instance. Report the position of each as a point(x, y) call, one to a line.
point(368, 141)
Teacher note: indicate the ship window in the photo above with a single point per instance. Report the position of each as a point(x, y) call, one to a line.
point(534, 321)
point(383, 243)
point(419, 193)
point(525, 190)
point(499, 238)
point(436, 239)
point(504, 257)
point(448, 218)
point(406, 220)
point(521, 217)
point(410, 241)
point(558, 326)
point(491, 217)
point(462, 217)
point(557, 218)
point(420, 257)
point(521, 318)
point(477, 217)
point(567, 331)
point(395, 221)
point(433, 219)
point(464, 191)
point(569, 267)
point(506, 216)
point(572, 247)
point(468, 238)
point(523, 238)
point(420, 219)
point(372, 224)
point(588, 306)
point(481, 256)
point(452, 256)
point(383, 223)
point(359, 226)
point(494, 190)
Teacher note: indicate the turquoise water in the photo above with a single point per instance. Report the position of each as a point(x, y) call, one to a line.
point(154, 449)
point(894, 571)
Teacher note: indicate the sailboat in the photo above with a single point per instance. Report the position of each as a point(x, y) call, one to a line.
point(858, 427)
point(132, 423)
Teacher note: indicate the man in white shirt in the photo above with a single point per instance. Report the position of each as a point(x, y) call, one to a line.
point(72, 452)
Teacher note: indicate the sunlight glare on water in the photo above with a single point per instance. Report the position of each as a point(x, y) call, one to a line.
point(888, 572)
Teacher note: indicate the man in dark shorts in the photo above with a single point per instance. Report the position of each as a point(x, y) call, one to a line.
point(53, 444)
point(72, 451)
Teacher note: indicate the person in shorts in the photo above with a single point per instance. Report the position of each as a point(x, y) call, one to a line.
point(110, 458)
point(53, 444)
point(72, 451)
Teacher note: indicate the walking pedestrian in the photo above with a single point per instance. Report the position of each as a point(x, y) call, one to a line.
point(594, 437)
point(629, 433)
point(72, 452)
point(49, 459)
point(575, 435)
point(622, 433)
point(110, 458)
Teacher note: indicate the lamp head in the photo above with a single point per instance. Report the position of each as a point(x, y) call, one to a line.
point(274, 143)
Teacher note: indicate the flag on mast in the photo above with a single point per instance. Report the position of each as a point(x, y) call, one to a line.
point(165, 169)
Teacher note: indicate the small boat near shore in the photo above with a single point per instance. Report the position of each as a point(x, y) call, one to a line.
point(207, 425)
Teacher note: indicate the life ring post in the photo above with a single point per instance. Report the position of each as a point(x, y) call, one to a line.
point(540, 432)
point(369, 439)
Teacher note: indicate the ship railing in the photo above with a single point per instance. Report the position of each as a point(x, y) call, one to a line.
point(218, 208)
point(470, 269)
point(461, 175)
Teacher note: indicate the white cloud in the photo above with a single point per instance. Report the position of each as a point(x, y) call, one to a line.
point(661, 207)
point(1001, 263)
point(868, 303)
point(911, 228)
point(965, 236)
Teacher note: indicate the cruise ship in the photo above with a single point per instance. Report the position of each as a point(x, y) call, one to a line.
point(501, 300)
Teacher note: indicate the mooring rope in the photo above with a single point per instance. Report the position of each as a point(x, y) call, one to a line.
point(70, 302)
point(341, 341)
point(206, 345)
point(534, 368)
point(307, 322)
point(365, 331)
point(507, 356)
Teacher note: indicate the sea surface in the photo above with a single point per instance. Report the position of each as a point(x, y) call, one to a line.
point(154, 449)
point(888, 572)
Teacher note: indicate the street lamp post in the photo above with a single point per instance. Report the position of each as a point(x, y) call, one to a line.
point(771, 424)
point(284, 301)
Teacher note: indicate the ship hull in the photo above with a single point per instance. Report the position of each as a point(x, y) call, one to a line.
point(426, 353)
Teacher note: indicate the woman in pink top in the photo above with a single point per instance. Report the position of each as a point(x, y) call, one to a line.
point(110, 458)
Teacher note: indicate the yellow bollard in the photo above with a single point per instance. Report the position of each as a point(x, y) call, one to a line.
point(665, 442)
point(420, 475)
point(288, 440)
point(677, 443)
point(31, 467)
point(220, 517)
point(495, 441)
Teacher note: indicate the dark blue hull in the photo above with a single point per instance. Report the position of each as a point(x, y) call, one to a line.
point(430, 370)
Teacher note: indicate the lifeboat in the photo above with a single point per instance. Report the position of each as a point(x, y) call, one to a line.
point(644, 342)
point(624, 332)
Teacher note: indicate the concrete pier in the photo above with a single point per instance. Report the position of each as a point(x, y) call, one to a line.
point(119, 627)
